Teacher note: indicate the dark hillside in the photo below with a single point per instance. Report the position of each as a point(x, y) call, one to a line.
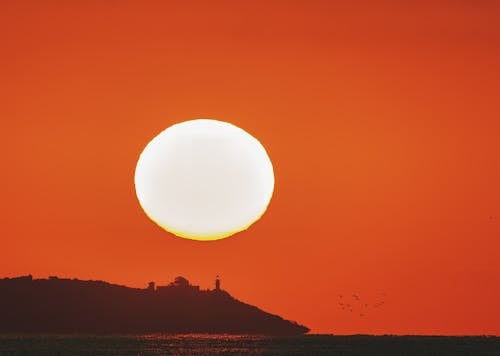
point(73, 306)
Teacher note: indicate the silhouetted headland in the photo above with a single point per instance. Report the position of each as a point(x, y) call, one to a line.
point(58, 305)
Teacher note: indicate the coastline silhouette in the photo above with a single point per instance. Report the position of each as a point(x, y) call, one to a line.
point(59, 305)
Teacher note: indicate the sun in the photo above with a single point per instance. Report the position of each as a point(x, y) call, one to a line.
point(204, 179)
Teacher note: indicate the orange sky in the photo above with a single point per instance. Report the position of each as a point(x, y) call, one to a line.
point(382, 122)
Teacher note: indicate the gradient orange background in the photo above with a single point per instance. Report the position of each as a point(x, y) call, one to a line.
point(382, 121)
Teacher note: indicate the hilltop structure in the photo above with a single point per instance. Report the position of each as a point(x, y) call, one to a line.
point(217, 283)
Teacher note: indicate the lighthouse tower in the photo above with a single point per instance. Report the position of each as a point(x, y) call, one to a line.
point(217, 283)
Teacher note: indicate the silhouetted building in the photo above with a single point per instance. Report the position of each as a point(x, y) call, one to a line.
point(180, 282)
point(179, 285)
point(151, 286)
point(217, 283)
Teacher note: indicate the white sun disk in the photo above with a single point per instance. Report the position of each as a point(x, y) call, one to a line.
point(204, 179)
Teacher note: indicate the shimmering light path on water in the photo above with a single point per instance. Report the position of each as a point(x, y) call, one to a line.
point(159, 344)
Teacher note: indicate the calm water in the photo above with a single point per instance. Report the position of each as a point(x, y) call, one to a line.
point(227, 344)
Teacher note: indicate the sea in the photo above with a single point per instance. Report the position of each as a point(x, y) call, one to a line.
point(202, 344)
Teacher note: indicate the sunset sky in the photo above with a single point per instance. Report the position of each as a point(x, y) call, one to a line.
point(382, 121)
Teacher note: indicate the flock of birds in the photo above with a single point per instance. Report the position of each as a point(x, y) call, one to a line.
point(354, 304)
